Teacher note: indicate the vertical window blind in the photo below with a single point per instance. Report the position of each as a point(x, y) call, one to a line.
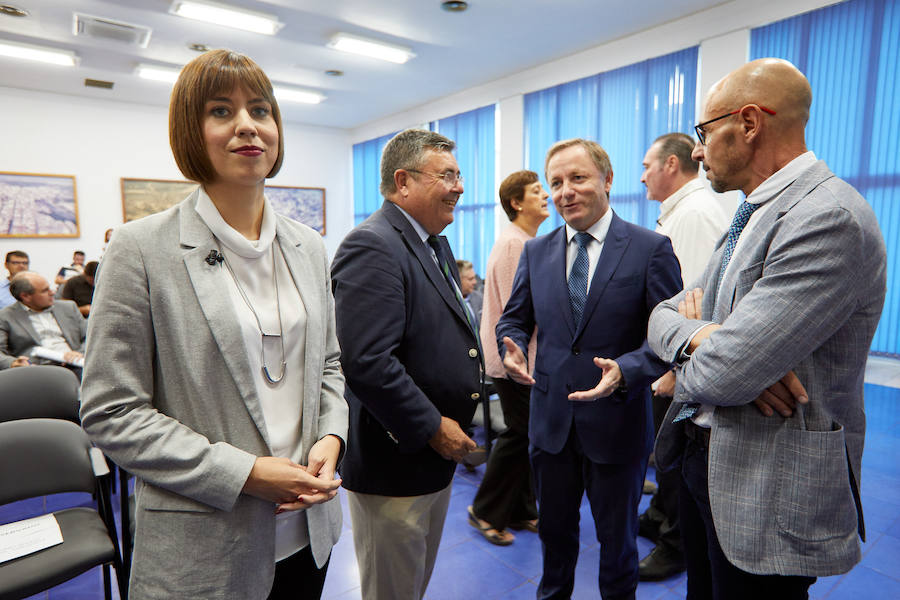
point(851, 54)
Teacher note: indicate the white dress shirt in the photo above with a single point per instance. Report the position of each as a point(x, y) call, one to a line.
point(48, 330)
point(694, 220)
point(598, 232)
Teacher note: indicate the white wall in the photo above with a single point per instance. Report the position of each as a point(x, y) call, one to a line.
point(99, 142)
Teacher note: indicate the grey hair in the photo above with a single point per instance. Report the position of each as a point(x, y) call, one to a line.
point(20, 284)
point(680, 145)
point(406, 150)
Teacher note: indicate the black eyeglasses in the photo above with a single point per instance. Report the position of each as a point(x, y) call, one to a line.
point(449, 177)
point(701, 134)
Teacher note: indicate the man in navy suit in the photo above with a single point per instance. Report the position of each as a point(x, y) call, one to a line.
point(589, 287)
point(413, 366)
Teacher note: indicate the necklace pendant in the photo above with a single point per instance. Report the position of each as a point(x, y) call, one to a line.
point(271, 379)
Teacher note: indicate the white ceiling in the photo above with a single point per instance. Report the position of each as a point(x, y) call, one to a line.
point(454, 51)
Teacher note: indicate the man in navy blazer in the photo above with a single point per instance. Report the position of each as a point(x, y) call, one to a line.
point(413, 366)
point(590, 422)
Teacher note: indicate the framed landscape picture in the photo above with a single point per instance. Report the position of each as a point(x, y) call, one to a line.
point(142, 197)
point(38, 205)
point(303, 204)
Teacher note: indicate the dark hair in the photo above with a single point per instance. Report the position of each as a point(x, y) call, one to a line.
point(18, 254)
point(406, 150)
point(680, 146)
point(212, 73)
point(91, 268)
point(81, 252)
point(513, 188)
point(20, 284)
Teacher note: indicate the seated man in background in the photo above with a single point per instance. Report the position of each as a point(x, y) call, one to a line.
point(68, 272)
point(35, 321)
point(16, 262)
point(467, 283)
point(80, 288)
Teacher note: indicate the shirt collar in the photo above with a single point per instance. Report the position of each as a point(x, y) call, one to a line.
point(669, 204)
point(781, 179)
point(31, 311)
point(228, 236)
point(598, 230)
point(423, 235)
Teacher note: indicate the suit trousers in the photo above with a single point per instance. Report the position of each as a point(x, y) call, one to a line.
point(396, 540)
point(506, 494)
point(663, 509)
point(614, 491)
point(710, 575)
point(298, 578)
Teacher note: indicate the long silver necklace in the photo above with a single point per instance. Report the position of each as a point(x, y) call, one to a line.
point(265, 368)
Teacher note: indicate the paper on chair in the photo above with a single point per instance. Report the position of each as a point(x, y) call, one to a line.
point(41, 352)
point(28, 536)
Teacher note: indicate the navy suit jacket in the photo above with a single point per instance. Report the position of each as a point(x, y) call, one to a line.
point(408, 353)
point(637, 269)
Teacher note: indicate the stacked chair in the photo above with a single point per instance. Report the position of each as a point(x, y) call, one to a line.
point(44, 451)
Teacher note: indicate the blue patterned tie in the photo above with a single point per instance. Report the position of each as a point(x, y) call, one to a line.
point(741, 216)
point(578, 277)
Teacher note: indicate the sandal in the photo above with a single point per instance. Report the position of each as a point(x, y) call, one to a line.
point(531, 525)
point(498, 538)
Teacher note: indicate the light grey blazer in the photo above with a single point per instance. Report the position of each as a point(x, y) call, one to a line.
point(18, 337)
point(805, 294)
point(168, 394)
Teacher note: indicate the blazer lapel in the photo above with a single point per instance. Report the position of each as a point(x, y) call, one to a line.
point(613, 250)
point(66, 328)
point(311, 293)
point(22, 317)
point(196, 242)
point(557, 268)
point(423, 254)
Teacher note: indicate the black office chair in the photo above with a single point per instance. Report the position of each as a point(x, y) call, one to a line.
point(39, 391)
point(52, 392)
point(51, 456)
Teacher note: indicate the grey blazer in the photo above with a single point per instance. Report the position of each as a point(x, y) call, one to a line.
point(18, 337)
point(168, 394)
point(805, 294)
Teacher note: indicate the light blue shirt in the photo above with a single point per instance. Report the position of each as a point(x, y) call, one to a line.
point(5, 297)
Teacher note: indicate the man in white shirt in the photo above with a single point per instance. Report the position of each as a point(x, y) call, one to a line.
point(694, 220)
point(36, 321)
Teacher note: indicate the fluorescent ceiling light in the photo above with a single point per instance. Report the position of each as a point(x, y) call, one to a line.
point(229, 16)
point(372, 48)
point(39, 53)
point(155, 73)
point(283, 94)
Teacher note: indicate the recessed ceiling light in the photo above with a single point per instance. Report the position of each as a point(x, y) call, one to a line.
point(284, 94)
point(199, 47)
point(371, 48)
point(454, 5)
point(229, 16)
point(157, 73)
point(334, 73)
point(39, 53)
point(12, 11)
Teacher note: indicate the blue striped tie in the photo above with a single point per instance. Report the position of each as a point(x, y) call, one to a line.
point(741, 216)
point(578, 277)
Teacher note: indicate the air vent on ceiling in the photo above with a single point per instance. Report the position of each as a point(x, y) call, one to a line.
point(107, 29)
point(98, 83)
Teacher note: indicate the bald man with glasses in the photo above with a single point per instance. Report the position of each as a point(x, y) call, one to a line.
point(767, 421)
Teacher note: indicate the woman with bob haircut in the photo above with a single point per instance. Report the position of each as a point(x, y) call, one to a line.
point(505, 498)
point(214, 375)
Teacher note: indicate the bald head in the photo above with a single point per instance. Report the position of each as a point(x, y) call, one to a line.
point(770, 82)
point(32, 290)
